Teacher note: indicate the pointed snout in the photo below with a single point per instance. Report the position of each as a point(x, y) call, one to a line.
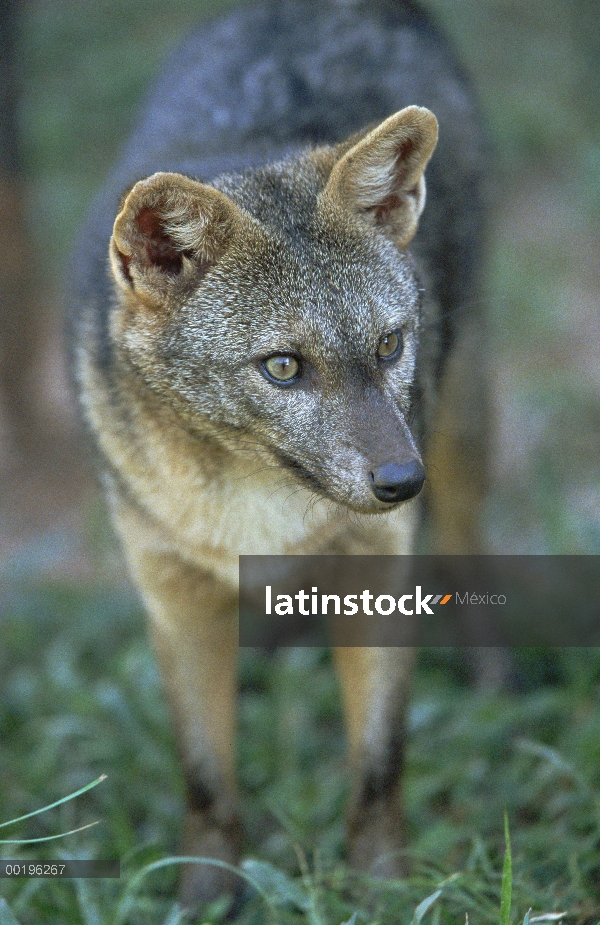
point(372, 457)
point(393, 482)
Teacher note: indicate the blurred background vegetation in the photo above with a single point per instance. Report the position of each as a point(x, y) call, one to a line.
point(81, 71)
point(78, 688)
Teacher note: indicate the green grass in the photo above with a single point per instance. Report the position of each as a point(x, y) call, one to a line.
point(80, 696)
point(79, 693)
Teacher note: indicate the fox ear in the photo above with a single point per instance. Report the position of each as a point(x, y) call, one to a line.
point(381, 177)
point(169, 232)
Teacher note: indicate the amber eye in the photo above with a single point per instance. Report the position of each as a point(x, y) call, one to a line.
point(390, 345)
point(281, 368)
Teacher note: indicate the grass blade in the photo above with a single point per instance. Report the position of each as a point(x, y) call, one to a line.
point(129, 897)
point(506, 894)
point(424, 907)
point(32, 841)
point(71, 796)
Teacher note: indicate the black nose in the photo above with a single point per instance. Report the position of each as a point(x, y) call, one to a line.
point(395, 482)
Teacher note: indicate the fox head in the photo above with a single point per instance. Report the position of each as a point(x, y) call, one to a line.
point(281, 306)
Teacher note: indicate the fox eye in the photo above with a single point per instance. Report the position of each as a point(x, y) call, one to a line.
point(281, 369)
point(390, 345)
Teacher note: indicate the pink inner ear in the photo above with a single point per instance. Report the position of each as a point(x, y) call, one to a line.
point(148, 223)
point(405, 149)
point(158, 248)
point(383, 209)
point(398, 191)
point(402, 168)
